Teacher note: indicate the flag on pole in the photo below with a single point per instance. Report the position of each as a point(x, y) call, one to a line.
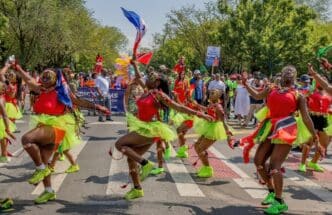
point(139, 24)
point(144, 58)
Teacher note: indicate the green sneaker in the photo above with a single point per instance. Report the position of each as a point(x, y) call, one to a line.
point(73, 168)
point(4, 159)
point(269, 199)
point(205, 172)
point(315, 167)
point(45, 197)
point(182, 152)
point(146, 169)
point(51, 169)
point(157, 171)
point(134, 194)
point(6, 204)
point(276, 208)
point(62, 157)
point(167, 154)
point(302, 168)
point(39, 175)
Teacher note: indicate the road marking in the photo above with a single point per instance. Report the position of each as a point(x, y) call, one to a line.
point(107, 123)
point(60, 168)
point(20, 121)
point(309, 185)
point(117, 174)
point(18, 151)
point(250, 185)
point(185, 185)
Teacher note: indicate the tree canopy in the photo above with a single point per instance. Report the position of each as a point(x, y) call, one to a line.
point(52, 33)
point(253, 34)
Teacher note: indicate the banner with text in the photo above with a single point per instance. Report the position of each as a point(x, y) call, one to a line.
point(91, 94)
point(212, 56)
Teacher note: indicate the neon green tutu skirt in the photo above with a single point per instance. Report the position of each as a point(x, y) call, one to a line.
point(65, 122)
point(303, 133)
point(154, 129)
point(262, 114)
point(178, 118)
point(210, 130)
point(3, 133)
point(328, 129)
point(13, 111)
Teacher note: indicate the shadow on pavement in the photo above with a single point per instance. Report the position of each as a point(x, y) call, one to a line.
point(231, 210)
point(300, 194)
point(94, 138)
point(97, 179)
point(11, 179)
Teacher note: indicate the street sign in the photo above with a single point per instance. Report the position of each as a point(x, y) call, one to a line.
point(212, 56)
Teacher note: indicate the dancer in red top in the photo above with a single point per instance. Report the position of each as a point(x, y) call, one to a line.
point(145, 129)
point(99, 64)
point(277, 133)
point(180, 66)
point(11, 105)
point(319, 103)
point(210, 132)
point(54, 123)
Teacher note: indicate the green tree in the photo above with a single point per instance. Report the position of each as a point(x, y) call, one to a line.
point(3, 29)
point(57, 33)
point(268, 34)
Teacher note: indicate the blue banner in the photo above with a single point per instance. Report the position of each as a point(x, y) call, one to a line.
point(91, 94)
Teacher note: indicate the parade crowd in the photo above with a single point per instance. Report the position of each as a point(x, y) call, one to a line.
point(162, 105)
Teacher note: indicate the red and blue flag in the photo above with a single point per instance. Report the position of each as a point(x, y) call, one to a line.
point(139, 24)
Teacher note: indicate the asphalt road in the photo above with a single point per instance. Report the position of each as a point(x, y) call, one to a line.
point(96, 188)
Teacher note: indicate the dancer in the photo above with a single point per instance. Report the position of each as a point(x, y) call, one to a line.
point(146, 128)
point(277, 133)
point(6, 129)
point(210, 132)
point(52, 124)
point(12, 109)
point(320, 80)
point(319, 103)
point(64, 149)
point(182, 121)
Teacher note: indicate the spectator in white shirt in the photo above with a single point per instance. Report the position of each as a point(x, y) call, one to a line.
point(217, 84)
point(102, 86)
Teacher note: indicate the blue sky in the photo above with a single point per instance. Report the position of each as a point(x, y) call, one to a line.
point(108, 12)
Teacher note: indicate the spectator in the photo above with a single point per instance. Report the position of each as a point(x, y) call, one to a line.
point(102, 86)
point(255, 105)
point(199, 89)
point(242, 101)
point(217, 84)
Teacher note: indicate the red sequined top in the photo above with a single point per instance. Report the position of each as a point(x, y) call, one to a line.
point(212, 110)
point(148, 107)
point(181, 88)
point(48, 103)
point(281, 104)
point(10, 90)
point(319, 103)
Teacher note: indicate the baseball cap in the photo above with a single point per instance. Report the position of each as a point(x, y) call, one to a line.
point(197, 72)
point(305, 78)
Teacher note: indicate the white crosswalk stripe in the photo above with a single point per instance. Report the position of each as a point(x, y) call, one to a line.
point(184, 183)
point(118, 175)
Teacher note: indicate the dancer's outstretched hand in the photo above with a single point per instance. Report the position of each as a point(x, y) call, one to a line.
point(311, 70)
point(103, 109)
point(10, 134)
point(326, 64)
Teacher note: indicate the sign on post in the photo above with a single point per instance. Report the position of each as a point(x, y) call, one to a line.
point(212, 56)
